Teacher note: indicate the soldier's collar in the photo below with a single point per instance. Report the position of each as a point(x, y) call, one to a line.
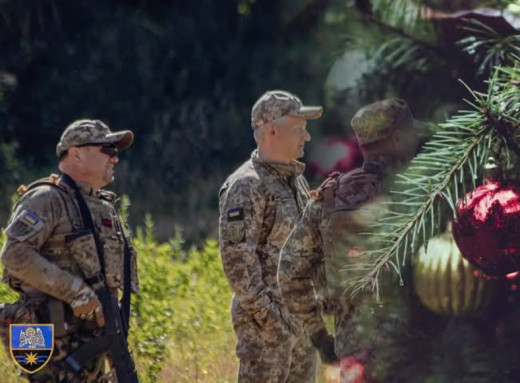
point(86, 189)
point(381, 163)
point(294, 168)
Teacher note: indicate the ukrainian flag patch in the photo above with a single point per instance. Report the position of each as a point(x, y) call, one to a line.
point(24, 225)
point(235, 214)
point(30, 218)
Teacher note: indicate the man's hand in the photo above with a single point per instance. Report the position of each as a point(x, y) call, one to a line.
point(85, 305)
point(324, 343)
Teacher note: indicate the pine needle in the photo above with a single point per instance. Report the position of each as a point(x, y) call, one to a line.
point(449, 165)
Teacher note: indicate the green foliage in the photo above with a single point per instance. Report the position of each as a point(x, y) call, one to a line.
point(488, 47)
point(182, 75)
point(183, 301)
point(180, 328)
point(404, 15)
point(151, 317)
point(7, 295)
point(400, 53)
point(404, 57)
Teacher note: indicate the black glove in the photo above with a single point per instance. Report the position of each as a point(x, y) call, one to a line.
point(324, 343)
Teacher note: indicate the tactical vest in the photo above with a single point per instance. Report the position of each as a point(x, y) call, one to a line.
point(74, 249)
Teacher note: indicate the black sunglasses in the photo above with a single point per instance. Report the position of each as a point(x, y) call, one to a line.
point(109, 150)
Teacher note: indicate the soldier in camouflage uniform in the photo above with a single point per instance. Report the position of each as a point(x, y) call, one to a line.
point(329, 237)
point(259, 205)
point(52, 261)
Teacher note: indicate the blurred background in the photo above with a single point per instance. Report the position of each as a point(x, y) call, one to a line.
point(183, 75)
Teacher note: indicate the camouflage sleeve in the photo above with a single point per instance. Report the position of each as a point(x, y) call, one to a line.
point(31, 224)
point(300, 257)
point(241, 215)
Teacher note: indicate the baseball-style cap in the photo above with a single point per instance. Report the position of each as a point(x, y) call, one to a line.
point(96, 132)
point(376, 121)
point(274, 104)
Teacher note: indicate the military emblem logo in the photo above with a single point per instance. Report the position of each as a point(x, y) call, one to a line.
point(31, 345)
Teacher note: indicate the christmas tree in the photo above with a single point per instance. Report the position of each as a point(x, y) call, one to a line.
point(461, 320)
point(453, 160)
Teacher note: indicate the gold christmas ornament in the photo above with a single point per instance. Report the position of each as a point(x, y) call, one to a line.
point(448, 284)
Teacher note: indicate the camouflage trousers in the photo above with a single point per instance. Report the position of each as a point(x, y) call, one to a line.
point(273, 356)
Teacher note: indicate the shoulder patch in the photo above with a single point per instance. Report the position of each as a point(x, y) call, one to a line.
point(235, 214)
point(24, 225)
point(31, 219)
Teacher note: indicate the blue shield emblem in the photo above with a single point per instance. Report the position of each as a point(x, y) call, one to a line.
point(31, 345)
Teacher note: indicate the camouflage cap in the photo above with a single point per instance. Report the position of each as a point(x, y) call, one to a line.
point(376, 121)
point(84, 132)
point(274, 104)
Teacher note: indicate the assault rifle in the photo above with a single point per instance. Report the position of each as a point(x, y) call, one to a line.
point(113, 338)
point(113, 341)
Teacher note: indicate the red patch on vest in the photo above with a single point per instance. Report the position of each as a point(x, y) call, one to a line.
point(107, 222)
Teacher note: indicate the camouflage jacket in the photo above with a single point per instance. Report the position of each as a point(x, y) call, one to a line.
point(48, 251)
point(326, 238)
point(259, 205)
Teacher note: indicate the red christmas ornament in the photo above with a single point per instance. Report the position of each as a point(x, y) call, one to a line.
point(335, 155)
point(352, 370)
point(487, 229)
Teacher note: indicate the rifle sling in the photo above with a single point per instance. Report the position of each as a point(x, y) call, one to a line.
point(88, 224)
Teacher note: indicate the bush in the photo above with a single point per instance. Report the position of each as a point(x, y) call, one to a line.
point(181, 314)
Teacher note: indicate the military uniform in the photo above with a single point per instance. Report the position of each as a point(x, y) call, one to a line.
point(327, 238)
point(317, 251)
point(48, 254)
point(259, 205)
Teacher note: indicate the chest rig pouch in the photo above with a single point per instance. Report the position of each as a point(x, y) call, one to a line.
point(111, 240)
point(98, 281)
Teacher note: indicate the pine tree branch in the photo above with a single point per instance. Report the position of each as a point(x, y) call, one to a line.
point(400, 32)
point(418, 218)
point(503, 128)
point(489, 47)
point(455, 156)
point(395, 19)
